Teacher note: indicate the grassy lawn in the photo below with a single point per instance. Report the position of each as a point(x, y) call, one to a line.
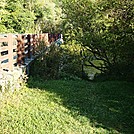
point(68, 107)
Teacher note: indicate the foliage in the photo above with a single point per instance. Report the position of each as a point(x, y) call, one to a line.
point(71, 61)
point(47, 64)
point(27, 16)
point(14, 17)
point(105, 29)
point(62, 62)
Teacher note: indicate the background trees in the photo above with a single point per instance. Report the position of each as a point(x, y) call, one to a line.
point(15, 17)
point(28, 16)
point(105, 29)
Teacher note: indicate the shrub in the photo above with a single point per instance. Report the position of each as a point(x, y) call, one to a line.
point(58, 63)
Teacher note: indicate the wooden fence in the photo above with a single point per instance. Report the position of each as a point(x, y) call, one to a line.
point(14, 49)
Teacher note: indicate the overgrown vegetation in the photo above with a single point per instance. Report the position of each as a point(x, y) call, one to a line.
point(68, 107)
point(29, 16)
point(105, 29)
point(98, 35)
point(58, 63)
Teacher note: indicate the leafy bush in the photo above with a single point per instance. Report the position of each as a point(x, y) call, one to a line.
point(105, 29)
point(58, 63)
point(47, 65)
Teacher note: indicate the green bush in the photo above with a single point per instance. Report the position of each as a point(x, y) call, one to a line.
point(47, 65)
point(58, 63)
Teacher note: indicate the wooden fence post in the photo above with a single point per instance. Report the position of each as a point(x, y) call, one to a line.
point(10, 51)
point(29, 45)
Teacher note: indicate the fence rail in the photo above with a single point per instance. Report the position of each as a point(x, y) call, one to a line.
point(17, 51)
point(14, 49)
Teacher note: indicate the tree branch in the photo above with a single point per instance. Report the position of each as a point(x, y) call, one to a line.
point(97, 67)
point(95, 53)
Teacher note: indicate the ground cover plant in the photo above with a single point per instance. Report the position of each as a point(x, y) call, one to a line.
point(68, 107)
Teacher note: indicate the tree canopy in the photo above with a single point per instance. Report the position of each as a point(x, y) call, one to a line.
point(105, 29)
point(24, 16)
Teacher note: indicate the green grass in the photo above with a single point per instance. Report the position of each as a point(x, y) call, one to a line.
point(68, 107)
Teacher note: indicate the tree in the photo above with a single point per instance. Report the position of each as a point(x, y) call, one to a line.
point(2, 13)
point(15, 17)
point(29, 16)
point(105, 29)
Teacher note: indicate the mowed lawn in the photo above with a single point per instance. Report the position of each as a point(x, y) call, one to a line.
point(68, 107)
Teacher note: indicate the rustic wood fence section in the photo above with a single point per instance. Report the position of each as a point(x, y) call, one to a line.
point(15, 49)
point(8, 46)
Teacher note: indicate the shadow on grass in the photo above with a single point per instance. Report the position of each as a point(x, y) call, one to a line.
point(106, 104)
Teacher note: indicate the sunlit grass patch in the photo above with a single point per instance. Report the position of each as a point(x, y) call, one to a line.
point(68, 107)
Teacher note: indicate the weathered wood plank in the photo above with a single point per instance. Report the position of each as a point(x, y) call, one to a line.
point(3, 39)
point(4, 48)
point(10, 51)
point(5, 66)
point(4, 57)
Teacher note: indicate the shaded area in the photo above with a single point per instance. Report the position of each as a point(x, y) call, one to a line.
point(106, 104)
